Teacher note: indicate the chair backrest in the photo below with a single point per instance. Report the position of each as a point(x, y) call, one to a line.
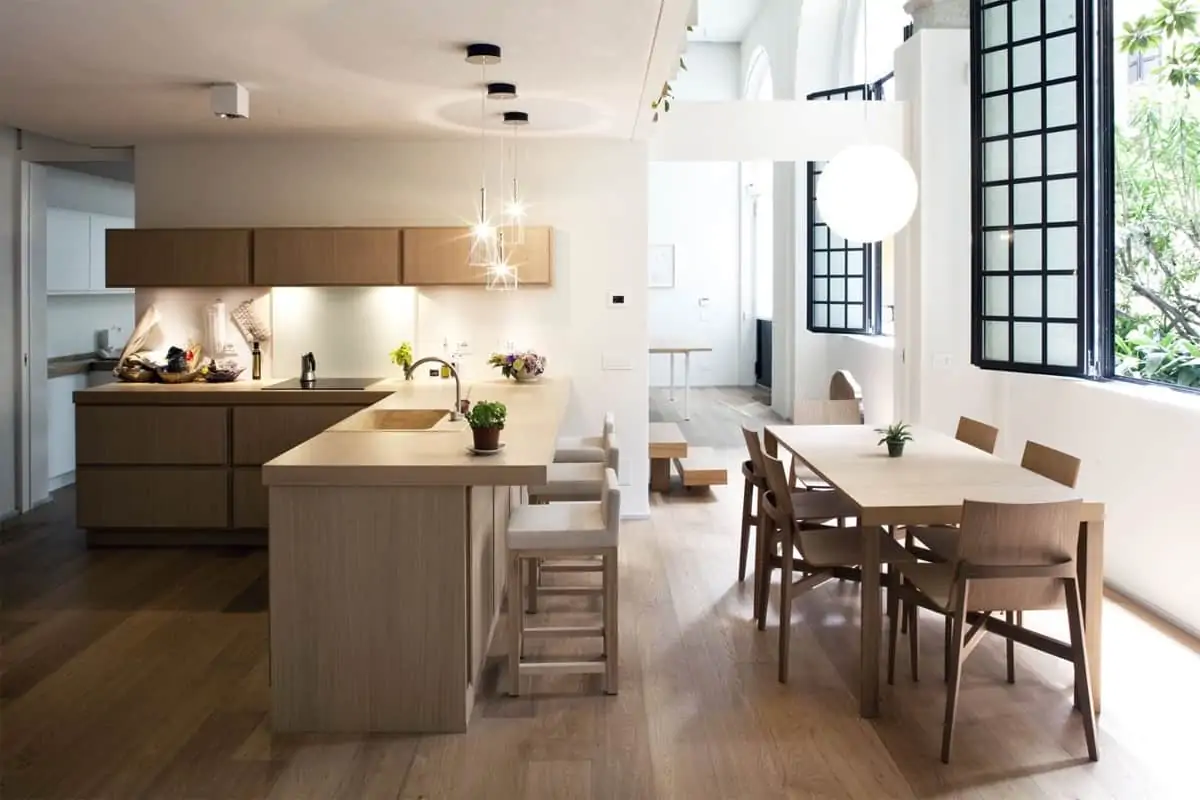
point(1015, 555)
point(610, 505)
point(1050, 463)
point(612, 451)
point(827, 412)
point(979, 435)
point(754, 448)
point(842, 386)
point(777, 500)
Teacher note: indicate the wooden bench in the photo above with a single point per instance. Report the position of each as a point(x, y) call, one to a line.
point(666, 443)
point(701, 467)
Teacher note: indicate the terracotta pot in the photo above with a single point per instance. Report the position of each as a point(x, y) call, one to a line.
point(486, 438)
point(895, 449)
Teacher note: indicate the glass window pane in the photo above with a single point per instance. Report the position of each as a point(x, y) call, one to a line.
point(995, 250)
point(1060, 152)
point(835, 241)
point(1060, 14)
point(1062, 248)
point(837, 263)
point(1027, 64)
point(995, 115)
point(995, 26)
point(1060, 104)
point(995, 71)
point(995, 161)
point(1060, 57)
point(820, 263)
point(1027, 296)
point(1062, 200)
point(995, 341)
point(1060, 296)
point(837, 316)
point(995, 296)
point(854, 262)
point(1027, 203)
point(821, 289)
point(820, 315)
point(1027, 250)
point(837, 290)
point(1062, 345)
point(1026, 19)
point(1027, 157)
point(820, 236)
point(854, 317)
point(995, 205)
point(854, 290)
point(1027, 110)
point(1027, 342)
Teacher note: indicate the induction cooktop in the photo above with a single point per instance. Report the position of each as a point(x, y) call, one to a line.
point(326, 384)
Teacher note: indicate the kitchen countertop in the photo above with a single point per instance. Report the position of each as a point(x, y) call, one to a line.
point(240, 392)
point(356, 452)
point(62, 366)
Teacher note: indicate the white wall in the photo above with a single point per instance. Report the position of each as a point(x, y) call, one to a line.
point(869, 360)
point(89, 193)
point(72, 322)
point(695, 207)
point(593, 193)
point(10, 189)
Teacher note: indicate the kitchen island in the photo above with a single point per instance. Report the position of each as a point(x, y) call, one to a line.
point(387, 558)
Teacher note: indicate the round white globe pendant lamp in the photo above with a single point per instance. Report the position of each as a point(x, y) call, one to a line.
point(867, 193)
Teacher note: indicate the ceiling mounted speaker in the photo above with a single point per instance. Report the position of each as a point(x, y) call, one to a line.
point(516, 118)
point(502, 91)
point(481, 53)
point(230, 101)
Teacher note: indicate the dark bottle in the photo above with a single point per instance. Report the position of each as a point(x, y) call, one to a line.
point(256, 362)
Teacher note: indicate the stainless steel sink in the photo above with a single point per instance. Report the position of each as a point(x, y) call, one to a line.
point(394, 419)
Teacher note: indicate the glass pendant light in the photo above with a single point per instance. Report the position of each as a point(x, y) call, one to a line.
point(514, 208)
point(483, 252)
point(501, 272)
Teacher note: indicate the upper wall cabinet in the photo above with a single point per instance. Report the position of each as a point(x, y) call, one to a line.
point(179, 257)
point(326, 256)
point(75, 250)
point(438, 257)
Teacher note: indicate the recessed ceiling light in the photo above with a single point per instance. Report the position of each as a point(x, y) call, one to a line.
point(516, 118)
point(482, 53)
point(502, 91)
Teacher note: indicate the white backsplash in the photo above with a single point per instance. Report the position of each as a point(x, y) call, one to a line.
point(182, 314)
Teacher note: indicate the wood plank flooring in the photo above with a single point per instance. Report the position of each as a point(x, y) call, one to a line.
point(143, 674)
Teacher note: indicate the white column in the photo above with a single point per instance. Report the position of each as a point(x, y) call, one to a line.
point(951, 14)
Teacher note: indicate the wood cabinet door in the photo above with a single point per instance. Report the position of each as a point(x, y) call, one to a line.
point(438, 257)
point(136, 497)
point(101, 224)
point(250, 499)
point(151, 435)
point(182, 257)
point(533, 258)
point(326, 256)
point(261, 433)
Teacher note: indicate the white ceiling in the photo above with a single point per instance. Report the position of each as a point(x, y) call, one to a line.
point(121, 72)
point(724, 20)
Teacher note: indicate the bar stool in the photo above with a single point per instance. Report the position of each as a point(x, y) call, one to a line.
point(559, 530)
point(584, 449)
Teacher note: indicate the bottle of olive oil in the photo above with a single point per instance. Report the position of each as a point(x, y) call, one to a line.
point(256, 361)
point(445, 357)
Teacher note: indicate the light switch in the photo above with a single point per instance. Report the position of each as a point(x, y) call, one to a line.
point(615, 361)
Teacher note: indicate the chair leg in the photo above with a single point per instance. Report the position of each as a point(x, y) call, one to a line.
point(515, 622)
point(893, 613)
point(947, 664)
point(956, 647)
point(1011, 617)
point(1083, 675)
point(611, 626)
point(785, 601)
point(747, 509)
point(765, 532)
point(908, 543)
point(533, 576)
point(914, 642)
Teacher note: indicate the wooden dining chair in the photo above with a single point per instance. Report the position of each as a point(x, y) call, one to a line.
point(840, 411)
point(824, 552)
point(1011, 557)
point(813, 508)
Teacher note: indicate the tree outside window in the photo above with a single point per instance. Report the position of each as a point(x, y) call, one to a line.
point(1157, 202)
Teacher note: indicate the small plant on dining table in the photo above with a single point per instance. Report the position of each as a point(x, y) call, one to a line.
point(486, 419)
point(895, 436)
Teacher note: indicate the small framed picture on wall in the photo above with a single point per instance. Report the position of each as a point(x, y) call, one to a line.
point(662, 266)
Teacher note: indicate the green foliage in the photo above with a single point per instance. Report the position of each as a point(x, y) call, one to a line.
point(1174, 24)
point(899, 433)
point(402, 356)
point(1156, 355)
point(486, 414)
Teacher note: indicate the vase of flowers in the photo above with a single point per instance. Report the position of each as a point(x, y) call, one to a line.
point(524, 367)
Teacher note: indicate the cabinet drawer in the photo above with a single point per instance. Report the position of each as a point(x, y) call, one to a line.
point(262, 432)
point(171, 497)
point(181, 257)
point(438, 257)
point(326, 256)
point(249, 498)
point(183, 435)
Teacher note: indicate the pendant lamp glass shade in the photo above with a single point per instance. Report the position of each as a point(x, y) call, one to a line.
point(867, 193)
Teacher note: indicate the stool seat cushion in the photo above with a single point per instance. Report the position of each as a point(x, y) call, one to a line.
point(580, 449)
point(559, 526)
point(571, 480)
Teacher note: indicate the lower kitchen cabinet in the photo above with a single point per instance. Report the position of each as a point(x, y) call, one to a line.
point(154, 497)
point(249, 498)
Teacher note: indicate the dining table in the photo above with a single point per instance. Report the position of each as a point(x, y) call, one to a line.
point(672, 349)
point(927, 485)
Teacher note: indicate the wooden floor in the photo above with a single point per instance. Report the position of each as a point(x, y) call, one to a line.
point(143, 674)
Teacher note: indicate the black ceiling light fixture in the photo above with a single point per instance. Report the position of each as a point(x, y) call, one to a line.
point(502, 91)
point(483, 53)
point(516, 117)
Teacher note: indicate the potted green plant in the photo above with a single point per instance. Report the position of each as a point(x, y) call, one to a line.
point(486, 419)
point(895, 437)
point(402, 357)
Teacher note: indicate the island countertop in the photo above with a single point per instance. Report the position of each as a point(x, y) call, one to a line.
point(359, 452)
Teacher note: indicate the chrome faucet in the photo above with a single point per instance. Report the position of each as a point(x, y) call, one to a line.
point(455, 414)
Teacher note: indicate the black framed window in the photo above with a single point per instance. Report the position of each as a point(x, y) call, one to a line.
point(843, 276)
point(1033, 203)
